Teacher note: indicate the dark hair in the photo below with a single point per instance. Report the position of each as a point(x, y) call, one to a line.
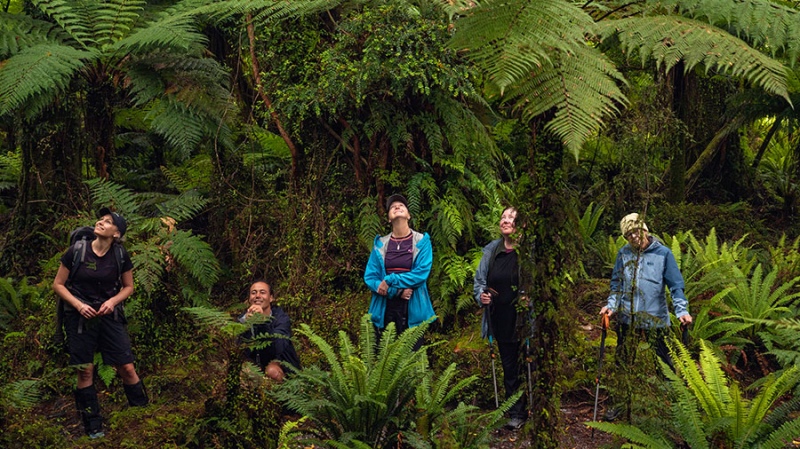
point(271, 291)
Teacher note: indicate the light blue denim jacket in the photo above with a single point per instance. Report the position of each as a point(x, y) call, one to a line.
point(653, 270)
point(420, 308)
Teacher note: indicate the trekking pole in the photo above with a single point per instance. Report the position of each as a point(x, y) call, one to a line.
point(488, 311)
point(604, 322)
point(685, 334)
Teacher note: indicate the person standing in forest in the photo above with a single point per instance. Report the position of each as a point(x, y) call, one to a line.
point(94, 319)
point(276, 329)
point(643, 269)
point(496, 289)
point(397, 272)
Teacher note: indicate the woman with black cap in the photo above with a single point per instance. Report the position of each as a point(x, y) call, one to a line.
point(93, 319)
point(397, 272)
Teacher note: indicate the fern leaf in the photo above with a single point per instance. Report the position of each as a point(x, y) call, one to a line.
point(41, 69)
point(196, 256)
point(18, 31)
point(114, 19)
point(511, 39)
point(110, 194)
point(670, 39)
point(582, 87)
point(148, 262)
point(632, 433)
point(71, 16)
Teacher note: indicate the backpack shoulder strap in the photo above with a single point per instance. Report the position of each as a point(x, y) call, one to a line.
point(78, 257)
point(118, 257)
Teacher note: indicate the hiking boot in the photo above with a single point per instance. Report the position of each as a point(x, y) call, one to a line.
point(136, 394)
point(515, 423)
point(98, 434)
point(613, 413)
point(89, 410)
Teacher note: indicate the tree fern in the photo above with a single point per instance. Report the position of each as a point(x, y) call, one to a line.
point(18, 32)
point(37, 70)
point(196, 256)
point(765, 24)
point(670, 39)
point(71, 16)
point(114, 19)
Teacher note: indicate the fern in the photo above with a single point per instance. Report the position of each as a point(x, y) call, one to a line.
point(217, 320)
point(670, 39)
point(196, 255)
point(18, 32)
point(114, 19)
point(22, 394)
point(37, 70)
point(115, 196)
point(72, 17)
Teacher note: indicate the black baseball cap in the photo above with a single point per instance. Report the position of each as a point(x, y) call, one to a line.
point(395, 198)
point(119, 222)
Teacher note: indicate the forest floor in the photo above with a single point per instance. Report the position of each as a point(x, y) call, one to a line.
point(574, 435)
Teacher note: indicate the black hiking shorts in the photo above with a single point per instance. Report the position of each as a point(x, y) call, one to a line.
point(103, 334)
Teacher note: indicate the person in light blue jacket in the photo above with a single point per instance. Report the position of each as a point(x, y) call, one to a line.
point(397, 272)
point(643, 270)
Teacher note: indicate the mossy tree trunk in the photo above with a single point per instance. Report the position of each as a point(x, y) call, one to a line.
point(549, 218)
point(49, 188)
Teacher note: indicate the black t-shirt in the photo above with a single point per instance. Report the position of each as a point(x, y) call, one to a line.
point(97, 278)
point(504, 278)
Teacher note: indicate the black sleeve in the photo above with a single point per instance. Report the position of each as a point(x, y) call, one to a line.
point(68, 257)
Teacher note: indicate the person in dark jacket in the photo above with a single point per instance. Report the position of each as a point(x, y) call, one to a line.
point(272, 324)
point(94, 319)
point(496, 289)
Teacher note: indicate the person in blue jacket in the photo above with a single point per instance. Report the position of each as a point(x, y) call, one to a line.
point(275, 358)
point(496, 290)
point(397, 272)
point(643, 270)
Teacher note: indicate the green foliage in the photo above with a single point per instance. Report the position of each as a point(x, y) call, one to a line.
point(10, 170)
point(16, 299)
point(709, 410)
point(510, 41)
point(377, 390)
point(695, 42)
point(157, 245)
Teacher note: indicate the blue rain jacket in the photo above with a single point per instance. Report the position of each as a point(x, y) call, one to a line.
point(420, 308)
point(652, 270)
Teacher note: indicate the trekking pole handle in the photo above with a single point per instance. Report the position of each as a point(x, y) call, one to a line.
point(604, 321)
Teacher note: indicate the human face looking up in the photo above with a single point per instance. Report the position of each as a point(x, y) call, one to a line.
point(398, 210)
point(105, 227)
point(508, 225)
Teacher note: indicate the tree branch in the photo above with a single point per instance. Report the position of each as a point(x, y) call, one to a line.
point(251, 35)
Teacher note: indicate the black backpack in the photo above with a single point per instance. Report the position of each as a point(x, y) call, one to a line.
point(79, 239)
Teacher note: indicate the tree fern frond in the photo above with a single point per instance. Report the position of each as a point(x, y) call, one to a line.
point(181, 126)
point(196, 256)
point(765, 24)
point(670, 39)
point(149, 263)
point(217, 320)
point(110, 194)
point(38, 70)
point(18, 32)
point(183, 207)
point(71, 16)
point(265, 11)
point(582, 87)
point(112, 20)
point(194, 174)
point(511, 39)
point(179, 32)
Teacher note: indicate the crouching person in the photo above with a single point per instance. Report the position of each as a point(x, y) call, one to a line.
point(93, 287)
point(277, 330)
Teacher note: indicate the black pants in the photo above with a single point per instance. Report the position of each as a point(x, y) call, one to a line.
point(656, 336)
point(509, 357)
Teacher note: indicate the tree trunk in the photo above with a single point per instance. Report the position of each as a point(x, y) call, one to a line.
point(100, 123)
point(548, 216)
point(49, 188)
point(677, 168)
